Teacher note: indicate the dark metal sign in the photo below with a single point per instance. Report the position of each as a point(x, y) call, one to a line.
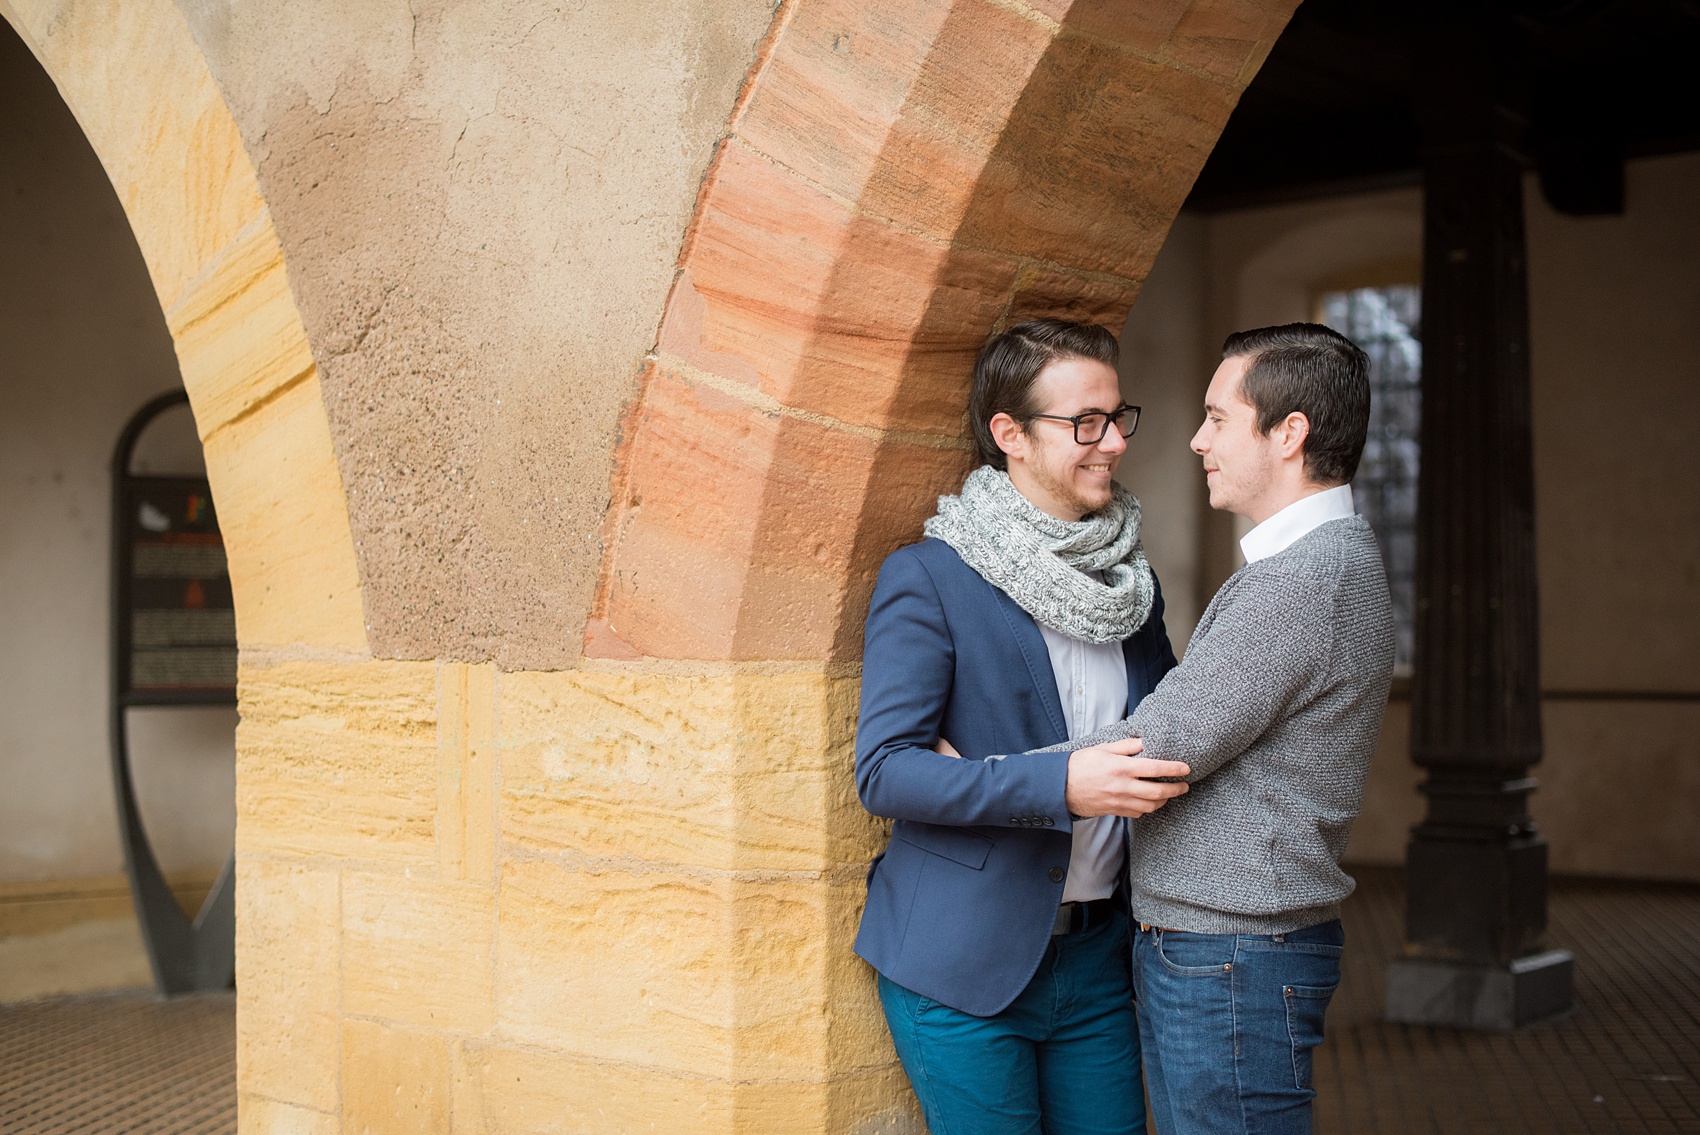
point(176, 623)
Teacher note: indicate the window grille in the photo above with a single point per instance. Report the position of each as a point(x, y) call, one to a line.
point(1386, 323)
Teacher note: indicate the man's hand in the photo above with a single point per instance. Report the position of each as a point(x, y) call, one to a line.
point(1109, 780)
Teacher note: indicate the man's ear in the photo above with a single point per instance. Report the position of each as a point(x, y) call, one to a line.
point(1290, 435)
point(1009, 435)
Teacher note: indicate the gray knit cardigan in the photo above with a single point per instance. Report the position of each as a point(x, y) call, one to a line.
point(1276, 707)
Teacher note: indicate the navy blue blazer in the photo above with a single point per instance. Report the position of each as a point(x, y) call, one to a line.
point(961, 903)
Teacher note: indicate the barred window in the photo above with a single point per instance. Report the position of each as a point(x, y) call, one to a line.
point(1386, 323)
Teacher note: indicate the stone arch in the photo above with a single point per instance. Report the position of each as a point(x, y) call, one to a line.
point(890, 190)
point(141, 92)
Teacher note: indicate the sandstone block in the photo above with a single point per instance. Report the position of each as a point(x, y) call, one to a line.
point(417, 951)
point(338, 759)
point(728, 771)
point(395, 1081)
point(696, 972)
point(827, 310)
point(238, 335)
point(257, 1115)
point(288, 969)
point(466, 771)
point(1073, 295)
point(515, 1091)
point(1126, 136)
point(759, 568)
point(838, 80)
point(285, 523)
point(1143, 25)
point(1228, 38)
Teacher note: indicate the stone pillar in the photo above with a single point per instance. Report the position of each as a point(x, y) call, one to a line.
point(1476, 866)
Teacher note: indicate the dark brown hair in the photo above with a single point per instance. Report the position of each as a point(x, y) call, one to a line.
point(1009, 365)
point(1315, 371)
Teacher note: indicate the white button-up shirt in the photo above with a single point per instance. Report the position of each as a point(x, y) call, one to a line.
point(1281, 530)
point(1092, 683)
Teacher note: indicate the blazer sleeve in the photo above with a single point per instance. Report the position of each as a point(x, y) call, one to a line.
point(908, 666)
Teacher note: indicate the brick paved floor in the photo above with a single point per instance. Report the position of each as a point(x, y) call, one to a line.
point(119, 1062)
point(1627, 1060)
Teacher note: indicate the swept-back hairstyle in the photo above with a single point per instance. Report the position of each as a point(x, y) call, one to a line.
point(1009, 366)
point(1318, 372)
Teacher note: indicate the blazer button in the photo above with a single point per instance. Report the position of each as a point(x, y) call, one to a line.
point(1049, 823)
point(1056, 874)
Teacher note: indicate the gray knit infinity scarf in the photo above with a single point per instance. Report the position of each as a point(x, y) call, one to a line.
point(1041, 562)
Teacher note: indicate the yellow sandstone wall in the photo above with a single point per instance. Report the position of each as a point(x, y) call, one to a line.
point(491, 880)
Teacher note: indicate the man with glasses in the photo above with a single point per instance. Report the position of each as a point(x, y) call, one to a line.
point(997, 916)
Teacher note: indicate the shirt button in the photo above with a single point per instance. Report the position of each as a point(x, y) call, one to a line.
point(1056, 874)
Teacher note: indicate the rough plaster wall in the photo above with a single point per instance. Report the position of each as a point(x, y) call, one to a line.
point(85, 344)
point(481, 206)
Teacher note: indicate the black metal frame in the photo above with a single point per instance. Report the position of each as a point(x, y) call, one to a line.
point(186, 955)
point(1114, 417)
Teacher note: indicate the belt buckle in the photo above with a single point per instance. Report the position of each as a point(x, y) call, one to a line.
point(1067, 920)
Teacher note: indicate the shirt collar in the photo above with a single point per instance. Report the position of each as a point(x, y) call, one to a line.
point(1284, 528)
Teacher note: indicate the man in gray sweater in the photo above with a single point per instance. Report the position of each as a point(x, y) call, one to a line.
point(1236, 886)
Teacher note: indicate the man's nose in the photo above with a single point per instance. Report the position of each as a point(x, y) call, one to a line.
point(1112, 442)
point(1199, 445)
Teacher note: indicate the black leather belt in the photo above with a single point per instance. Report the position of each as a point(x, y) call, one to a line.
point(1073, 916)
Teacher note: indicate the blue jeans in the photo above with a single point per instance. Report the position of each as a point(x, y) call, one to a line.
point(1229, 1024)
point(1062, 1059)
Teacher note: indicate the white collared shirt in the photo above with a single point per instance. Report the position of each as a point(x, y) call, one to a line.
point(1281, 530)
point(1092, 684)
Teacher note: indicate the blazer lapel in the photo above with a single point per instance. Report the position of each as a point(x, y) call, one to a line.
point(1136, 678)
point(1036, 654)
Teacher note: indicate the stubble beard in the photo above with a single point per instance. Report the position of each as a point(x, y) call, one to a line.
point(1066, 492)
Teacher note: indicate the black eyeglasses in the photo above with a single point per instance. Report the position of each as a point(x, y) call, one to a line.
point(1089, 429)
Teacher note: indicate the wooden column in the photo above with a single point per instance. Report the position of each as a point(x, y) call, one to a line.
point(1476, 866)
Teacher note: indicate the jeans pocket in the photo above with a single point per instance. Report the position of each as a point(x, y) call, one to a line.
point(1307, 1006)
point(1196, 955)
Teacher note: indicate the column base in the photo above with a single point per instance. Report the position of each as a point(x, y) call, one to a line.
point(1532, 988)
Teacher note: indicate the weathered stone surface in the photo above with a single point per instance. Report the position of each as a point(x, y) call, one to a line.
point(482, 206)
point(1228, 38)
point(516, 1091)
point(1126, 136)
point(285, 526)
point(769, 564)
point(1143, 25)
point(1080, 296)
point(238, 335)
point(827, 310)
point(688, 971)
point(257, 1115)
point(338, 760)
point(417, 951)
point(730, 771)
point(288, 966)
point(395, 1081)
point(466, 771)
